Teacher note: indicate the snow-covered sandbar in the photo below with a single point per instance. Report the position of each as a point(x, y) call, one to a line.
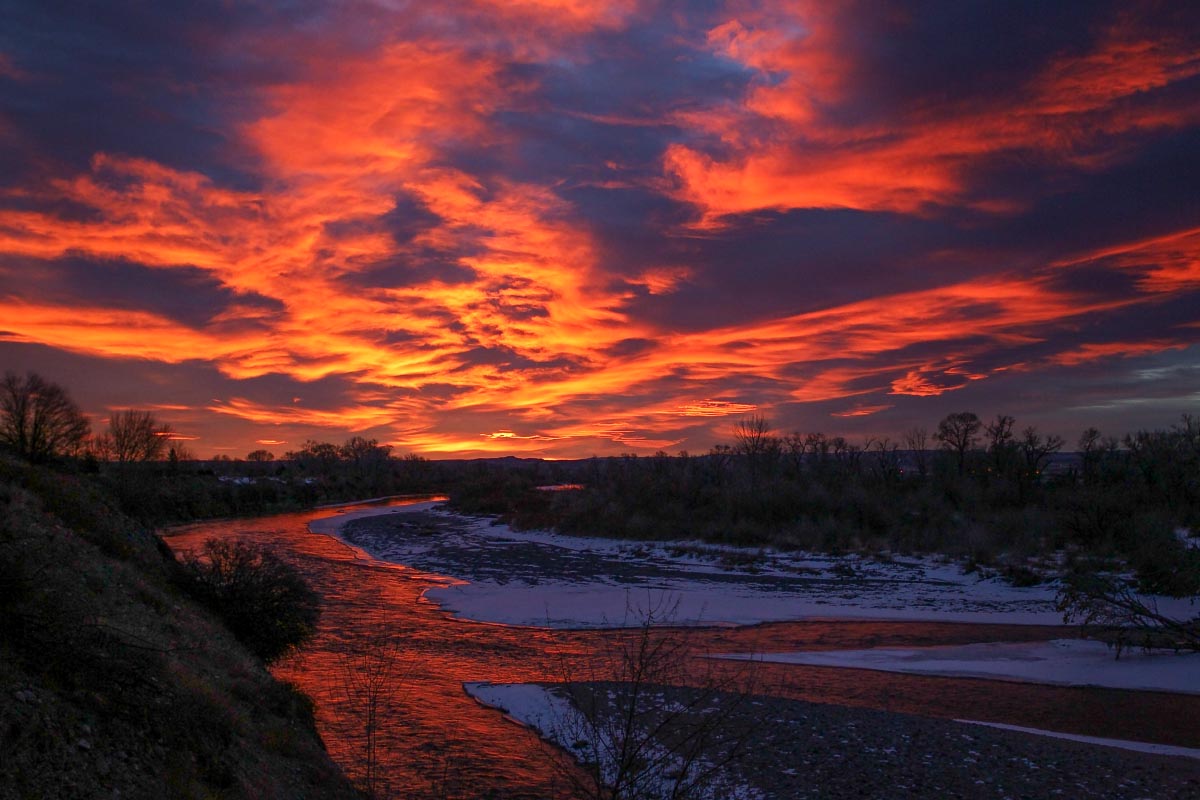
point(538, 578)
point(544, 579)
point(1062, 662)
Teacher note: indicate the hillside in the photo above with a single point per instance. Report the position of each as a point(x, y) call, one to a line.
point(113, 683)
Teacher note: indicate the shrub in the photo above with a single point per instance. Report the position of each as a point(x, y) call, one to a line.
point(1163, 563)
point(264, 601)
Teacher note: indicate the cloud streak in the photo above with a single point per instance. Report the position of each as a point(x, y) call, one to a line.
point(490, 235)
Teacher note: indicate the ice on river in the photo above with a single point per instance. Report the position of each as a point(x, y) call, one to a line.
point(1065, 662)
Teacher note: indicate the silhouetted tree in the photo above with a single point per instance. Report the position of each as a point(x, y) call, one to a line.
point(135, 436)
point(319, 457)
point(887, 459)
point(1108, 604)
point(178, 451)
point(38, 419)
point(1001, 445)
point(917, 440)
point(260, 456)
point(957, 433)
point(1038, 450)
point(1096, 451)
point(366, 456)
point(755, 442)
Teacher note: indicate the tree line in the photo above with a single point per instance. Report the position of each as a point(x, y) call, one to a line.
point(992, 492)
point(998, 496)
point(138, 460)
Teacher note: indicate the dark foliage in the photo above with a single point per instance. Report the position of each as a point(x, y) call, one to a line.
point(264, 601)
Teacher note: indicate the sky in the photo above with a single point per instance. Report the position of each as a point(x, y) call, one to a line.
point(562, 228)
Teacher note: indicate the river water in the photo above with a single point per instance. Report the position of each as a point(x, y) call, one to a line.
point(382, 646)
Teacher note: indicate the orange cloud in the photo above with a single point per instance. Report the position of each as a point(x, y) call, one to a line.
point(662, 280)
point(1165, 264)
point(1095, 351)
point(353, 418)
point(931, 380)
point(860, 411)
point(511, 435)
point(715, 408)
point(782, 150)
point(524, 330)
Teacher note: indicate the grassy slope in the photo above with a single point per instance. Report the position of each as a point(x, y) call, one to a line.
point(114, 684)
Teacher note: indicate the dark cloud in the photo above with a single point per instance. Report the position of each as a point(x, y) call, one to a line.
point(153, 80)
point(774, 264)
point(186, 294)
point(1149, 191)
point(608, 112)
point(905, 60)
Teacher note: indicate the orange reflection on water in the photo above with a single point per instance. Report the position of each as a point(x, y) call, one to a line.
point(435, 741)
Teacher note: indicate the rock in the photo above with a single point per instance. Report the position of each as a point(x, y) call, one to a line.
point(83, 744)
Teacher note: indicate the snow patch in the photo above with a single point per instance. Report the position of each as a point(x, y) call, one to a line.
point(1062, 662)
point(1124, 744)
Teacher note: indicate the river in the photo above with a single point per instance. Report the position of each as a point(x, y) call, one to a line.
point(380, 641)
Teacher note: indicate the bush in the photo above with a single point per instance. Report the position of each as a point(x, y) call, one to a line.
point(264, 601)
point(1164, 564)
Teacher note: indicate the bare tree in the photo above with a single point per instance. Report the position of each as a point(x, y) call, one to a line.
point(367, 457)
point(316, 457)
point(137, 436)
point(957, 433)
point(1107, 606)
point(38, 419)
point(793, 445)
point(1038, 450)
point(260, 456)
point(755, 442)
point(1001, 443)
point(374, 672)
point(648, 724)
point(719, 458)
point(917, 440)
point(753, 434)
point(887, 460)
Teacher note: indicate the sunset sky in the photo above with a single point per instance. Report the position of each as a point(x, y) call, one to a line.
point(565, 228)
